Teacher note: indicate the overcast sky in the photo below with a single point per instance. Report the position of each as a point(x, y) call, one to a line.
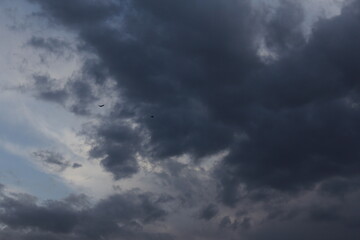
point(222, 119)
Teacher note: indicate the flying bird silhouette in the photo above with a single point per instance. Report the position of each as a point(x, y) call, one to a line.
point(101, 105)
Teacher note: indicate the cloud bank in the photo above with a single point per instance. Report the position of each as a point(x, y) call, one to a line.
point(193, 79)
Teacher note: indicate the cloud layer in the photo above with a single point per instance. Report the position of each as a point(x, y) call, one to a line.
point(193, 79)
point(122, 215)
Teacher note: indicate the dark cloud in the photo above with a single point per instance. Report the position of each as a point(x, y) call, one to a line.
point(325, 219)
point(119, 216)
point(209, 212)
point(82, 96)
point(81, 12)
point(339, 187)
point(24, 214)
point(324, 214)
point(117, 144)
point(301, 129)
point(287, 124)
point(290, 124)
point(76, 165)
point(169, 62)
point(282, 31)
point(226, 222)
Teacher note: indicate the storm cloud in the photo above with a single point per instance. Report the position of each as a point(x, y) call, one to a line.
point(287, 124)
point(122, 215)
point(197, 78)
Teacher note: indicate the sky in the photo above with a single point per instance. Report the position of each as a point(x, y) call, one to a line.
point(231, 119)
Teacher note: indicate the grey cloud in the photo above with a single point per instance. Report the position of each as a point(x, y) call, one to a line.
point(339, 187)
point(78, 201)
point(82, 96)
point(54, 160)
point(117, 145)
point(122, 215)
point(190, 188)
point(324, 214)
point(150, 66)
point(282, 29)
point(301, 124)
point(80, 12)
point(126, 215)
point(51, 158)
point(209, 212)
point(76, 165)
point(288, 125)
point(131, 211)
point(47, 89)
point(22, 213)
point(77, 94)
point(226, 222)
point(52, 45)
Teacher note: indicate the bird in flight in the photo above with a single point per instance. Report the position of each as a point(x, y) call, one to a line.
point(101, 105)
point(152, 116)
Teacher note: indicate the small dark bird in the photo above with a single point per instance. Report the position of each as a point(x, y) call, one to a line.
point(152, 116)
point(101, 105)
